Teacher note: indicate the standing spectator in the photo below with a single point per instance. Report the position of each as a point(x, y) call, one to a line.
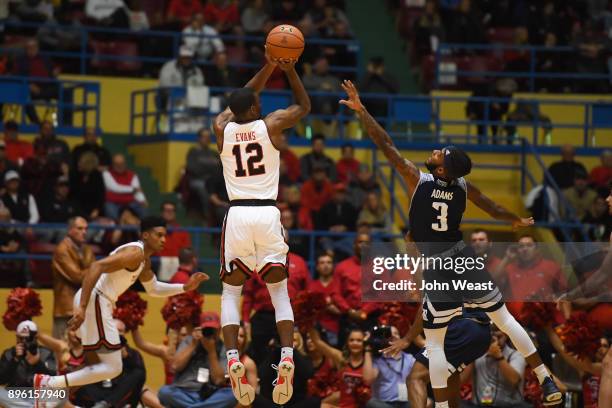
point(336, 305)
point(348, 274)
point(59, 207)
point(71, 259)
point(428, 30)
point(87, 186)
point(122, 189)
point(5, 164)
point(482, 244)
point(223, 14)
point(564, 171)
point(219, 200)
point(600, 176)
point(90, 144)
point(478, 110)
point(317, 156)
point(57, 150)
point(188, 265)
point(287, 12)
point(254, 17)
point(342, 54)
point(202, 164)
point(317, 191)
point(202, 39)
point(180, 72)
point(181, 12)
point(374, 214)
point(319, 79)
point(17, 151)
point(221, 74)
point(12, 242)
point(590, 57)
point(20, 203)
point(377, 80)
point(39, 173)
point(465, 25)
point(580, 196)
point(498, 376)
point(337, 216)
point(549, 61)
point(199, 365)
point(175, 240)
point(347, 167)
point(108, 13)
point(19, 363)
point(290, 159)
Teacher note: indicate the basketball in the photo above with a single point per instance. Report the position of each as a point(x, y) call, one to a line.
point(285, 42)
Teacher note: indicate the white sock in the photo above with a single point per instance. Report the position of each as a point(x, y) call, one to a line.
point(233, 353)
point(442, 404)
point(508, 324)
point(286, 352)
point(230, 305)
point(109, 367)
point(542, 372)
point(280, 299)
point(438, 366)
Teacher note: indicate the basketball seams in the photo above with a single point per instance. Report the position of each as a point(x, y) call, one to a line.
point(272, 35)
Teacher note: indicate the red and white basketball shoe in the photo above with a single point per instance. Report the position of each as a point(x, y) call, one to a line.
point(40, 382)
point(243, 391)
point(283, 385)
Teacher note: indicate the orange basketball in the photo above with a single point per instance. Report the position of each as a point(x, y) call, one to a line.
point(285, 42)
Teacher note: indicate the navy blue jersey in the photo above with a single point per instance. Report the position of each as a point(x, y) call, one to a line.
point(436, 210)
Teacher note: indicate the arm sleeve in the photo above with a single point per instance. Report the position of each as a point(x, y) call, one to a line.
point(139, 196)
point(114, 187)
point(161, 289)
point(34, 216)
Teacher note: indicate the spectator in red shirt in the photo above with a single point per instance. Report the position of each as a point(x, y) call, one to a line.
point(601, 176)
point(291, 160)
point(293, 197)
point(347, 167)
point(223, 14)
point(336, 305)
point(188, 265)
point(175, 240)
point(183, 10)
point(257, 309)
point(17, 150)
point(480, 242)
point(317, 191)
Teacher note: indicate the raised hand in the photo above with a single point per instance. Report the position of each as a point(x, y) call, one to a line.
point(523, 222)
point(195, 280)
point(353, 100)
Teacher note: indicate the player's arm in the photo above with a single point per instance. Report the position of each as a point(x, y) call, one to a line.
point(397, 346)
point(495, 210)
point(380, 137)
point(157, 350)
point(282, 119)
point(156, 288)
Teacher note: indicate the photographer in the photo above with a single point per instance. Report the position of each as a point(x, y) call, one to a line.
point(199, 365)
point(19, 364)
point(386, 374)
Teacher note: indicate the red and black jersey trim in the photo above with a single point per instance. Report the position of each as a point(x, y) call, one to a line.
point(102, 341)
point(222, 270)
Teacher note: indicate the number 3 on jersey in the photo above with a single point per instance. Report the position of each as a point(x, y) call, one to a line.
point(442, 224)
point(253, 161)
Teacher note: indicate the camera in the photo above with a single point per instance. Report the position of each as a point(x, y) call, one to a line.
point(380, 337)
point(30, 343)
point(209, 331)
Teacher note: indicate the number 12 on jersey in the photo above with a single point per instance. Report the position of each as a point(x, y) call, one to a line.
point(442, 224)
point(255, 156)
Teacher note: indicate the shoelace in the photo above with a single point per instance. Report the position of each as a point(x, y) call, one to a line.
point(275, 367)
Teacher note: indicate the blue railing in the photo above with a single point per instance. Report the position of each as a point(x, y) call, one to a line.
point(97, 38)
point(410, 118)
point(71, 109)
point(455, 64)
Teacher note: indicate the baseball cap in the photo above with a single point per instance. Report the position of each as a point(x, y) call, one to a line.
point(185, 51)
point(24, 328)
point(210, 319)
point(10, 175)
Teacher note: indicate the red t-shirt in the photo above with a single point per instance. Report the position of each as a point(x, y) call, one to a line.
point(293, 164)
point(539, 281)
point(175, 240)
point(348, 274)
point(214, 14)
point(18, 149)
point(181, 275)
point(347, 170)
point(328, 320)
point(600, 176)
point(314, 198)
point(185, 10)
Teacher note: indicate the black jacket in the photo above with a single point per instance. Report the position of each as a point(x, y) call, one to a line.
point(18, 373)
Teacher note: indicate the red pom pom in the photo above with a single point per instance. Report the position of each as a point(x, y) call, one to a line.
point(532, 390)
point(130, 309)
point(579, 335)
point(537, 315)
point(182, 310)
point(22, 304)
point(398, 314)
point(307, 307)
point(321, 386)
point(363, 394)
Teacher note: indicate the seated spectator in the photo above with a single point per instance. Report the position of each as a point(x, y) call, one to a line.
point(254, 17)
point(377, 80)
point(528, 113)
point(62, 34)
point(550, 61)
point(374, 214)
point(599, 220)
point(87, 186)
point(36, 11)
point(465, 25)
point(337, 216)
point(182, 11)
point(223, 15)
point(129, 221)
point(290, 159)
point(482, 245)
point(323, 368)
point(179, 72)
point(342, 54)
point(19, 363)
point(108, 13)
point(316, 191)
point(202, 39)
point(175, 240)
point(543, 203)
point(600, 176)
point(564, 171)
point(122, 390)
point(347, 167)
point(287, 12)
point(591, 56)
point(302, 214)
point(336, 305)
point(39, 173)
point(219, 200)
point(221, 74)
point(324, 15)
point(298, 243)
point(59, 207)
point(580, 196)
point(199, 364)
point(32, 64)
point(17, 151)
point(139, 20)
point(318, 157)
point(188, 265)
point(348, 274)
point(11, 242)
point(387, 375)
point(319, 79)
point(5, 164)
point(57, 149)
point(201, 166)
point(90, 144)
point(20, 203)
point(428, 30)
point(122, 189)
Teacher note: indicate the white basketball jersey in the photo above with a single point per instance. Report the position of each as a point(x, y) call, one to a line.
point(115, 283)
point(251, 163)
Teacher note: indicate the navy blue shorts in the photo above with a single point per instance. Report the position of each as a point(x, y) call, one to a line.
point(465, 341)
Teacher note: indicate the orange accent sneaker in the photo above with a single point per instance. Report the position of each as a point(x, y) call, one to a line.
point(283, 385)
point(243, 391)
point(40, 381)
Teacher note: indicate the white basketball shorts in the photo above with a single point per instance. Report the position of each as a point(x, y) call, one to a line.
point(98, 332)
